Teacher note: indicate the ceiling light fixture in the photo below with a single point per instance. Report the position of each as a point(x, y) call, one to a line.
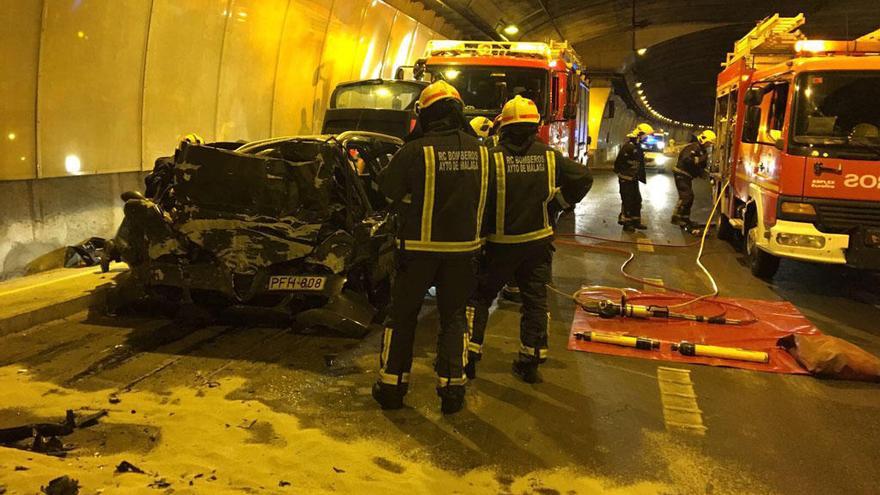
point(511, 29)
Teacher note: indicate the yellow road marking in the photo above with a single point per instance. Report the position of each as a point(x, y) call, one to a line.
point(651, 288)
point(645, 245)
point(680, 409)
point(49, 282)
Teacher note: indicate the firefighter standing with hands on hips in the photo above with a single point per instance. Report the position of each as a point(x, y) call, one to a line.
point(692, 162)
point(531, 183)
point(630, 169)
point(439, 180)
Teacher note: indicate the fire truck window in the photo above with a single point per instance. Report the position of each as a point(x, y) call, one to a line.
point(554, 95)
point(486, 89)
point(838, 109)
point(778, 106)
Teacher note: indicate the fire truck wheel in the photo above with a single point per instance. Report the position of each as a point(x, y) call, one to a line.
point(725, 231)
point(763, 265)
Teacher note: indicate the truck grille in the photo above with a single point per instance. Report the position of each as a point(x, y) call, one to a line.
point(842, 217)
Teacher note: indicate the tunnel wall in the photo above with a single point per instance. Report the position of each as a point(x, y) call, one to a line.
point(93, 92)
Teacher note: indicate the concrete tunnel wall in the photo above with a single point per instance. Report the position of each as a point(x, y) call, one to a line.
point(93, 92)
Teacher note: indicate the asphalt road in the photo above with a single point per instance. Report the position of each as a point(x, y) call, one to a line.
point(593, 417)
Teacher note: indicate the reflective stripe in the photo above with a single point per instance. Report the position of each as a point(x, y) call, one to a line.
point(680, 171)
point(531, 351)
point(464, 350)
point(475, 347)
point(551, 185)
point(390, 379)
point(469, 313)
point(518, 238)
point(438, 246)
point(386, 347)
point(499, 196)
point(428, 202)
point(484, 188)
point(451, 381)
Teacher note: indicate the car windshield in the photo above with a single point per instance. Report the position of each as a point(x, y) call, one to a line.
point(388, 95)
point(486, 89)
point(838, 109)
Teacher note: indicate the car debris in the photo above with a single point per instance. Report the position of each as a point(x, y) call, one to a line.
point(44, 437)
point(62, 485)
point(282, 227)
point(127, 467)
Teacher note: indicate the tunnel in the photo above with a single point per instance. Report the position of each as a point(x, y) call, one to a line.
point(243, 248)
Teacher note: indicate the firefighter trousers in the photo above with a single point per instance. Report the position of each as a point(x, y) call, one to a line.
point(530, 265)
point(631, 201)
point(685, 186)
point(455, 279)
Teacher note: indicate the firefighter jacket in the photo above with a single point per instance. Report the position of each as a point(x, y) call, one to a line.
point(630, 162)
point(440, 183)
point(530, 182)
point(692, 160)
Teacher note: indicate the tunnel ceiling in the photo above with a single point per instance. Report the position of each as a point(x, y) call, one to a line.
point(686, 39)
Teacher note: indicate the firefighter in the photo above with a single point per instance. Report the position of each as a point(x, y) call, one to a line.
point(630, 169)
point(482, 126)
point(532, 182)
point(440, 182)
point(692, 161)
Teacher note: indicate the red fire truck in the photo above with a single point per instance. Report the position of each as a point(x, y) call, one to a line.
point(798, 124)
point(487, 74)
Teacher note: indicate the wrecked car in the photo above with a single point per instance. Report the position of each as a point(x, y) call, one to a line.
point(379, 105)
point(290, 226)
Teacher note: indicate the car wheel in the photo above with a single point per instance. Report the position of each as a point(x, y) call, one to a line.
point(762, 264)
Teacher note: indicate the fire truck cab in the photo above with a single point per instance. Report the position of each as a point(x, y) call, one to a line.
point(488, 74)
point(798, 124)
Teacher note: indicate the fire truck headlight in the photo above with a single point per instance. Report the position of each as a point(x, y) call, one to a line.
point(660, 145)
point(799, 240)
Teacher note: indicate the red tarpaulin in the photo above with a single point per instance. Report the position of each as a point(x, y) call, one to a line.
point(776, 319)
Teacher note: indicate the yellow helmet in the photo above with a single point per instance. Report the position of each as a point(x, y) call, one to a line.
point(707, 137)
point(642, 128)
point(437, 91)
point(482, 126)
point(520, 110)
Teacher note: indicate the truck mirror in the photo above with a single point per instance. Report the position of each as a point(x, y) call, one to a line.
point(751, 124)
point(779, 144)
point(753, 97)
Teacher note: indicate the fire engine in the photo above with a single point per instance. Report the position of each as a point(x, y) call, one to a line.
point(487, 74)
point(798, 124)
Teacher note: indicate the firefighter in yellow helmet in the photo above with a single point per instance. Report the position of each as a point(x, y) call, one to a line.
point(630, 169)
point(532, 182)
point(692, 162)
point(439, 181)
point(482, 126)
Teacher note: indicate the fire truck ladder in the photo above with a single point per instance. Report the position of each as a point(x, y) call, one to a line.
point(771, 41)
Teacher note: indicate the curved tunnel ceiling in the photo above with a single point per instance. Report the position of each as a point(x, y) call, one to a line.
point(686, 39)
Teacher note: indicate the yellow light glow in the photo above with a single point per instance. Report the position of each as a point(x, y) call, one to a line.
point(443, 44)
point(531, 47)
point(511, 30)
point(810, 46)
point(808, 92)
point(23, 158)
point(72, 164)
point(452, 74)
point(80, 34)
point(638, 85)
point(11, 136)
point(642, 51)
point(383, 92)
point(553, 63)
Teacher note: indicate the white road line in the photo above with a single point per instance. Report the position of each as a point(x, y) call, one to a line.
point(680, 408)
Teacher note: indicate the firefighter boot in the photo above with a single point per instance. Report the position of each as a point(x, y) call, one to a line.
point(451, 398)
point(389, 396)
point(629, 227)
point(526, 370)
point(470, 368)
point(639, 225)
point(679, 220)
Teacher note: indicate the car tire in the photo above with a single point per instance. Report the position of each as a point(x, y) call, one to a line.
point(762, 264)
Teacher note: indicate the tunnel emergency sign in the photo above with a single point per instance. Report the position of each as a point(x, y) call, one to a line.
point(296, 282)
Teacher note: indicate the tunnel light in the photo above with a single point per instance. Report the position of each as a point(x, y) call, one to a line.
point(80, 34)
point(511, 29)
point(451, 74)
point(72, 164)
point(23, 158)
point(642, 51)
point(638, 85)
point(641, 91)
point(11, 136)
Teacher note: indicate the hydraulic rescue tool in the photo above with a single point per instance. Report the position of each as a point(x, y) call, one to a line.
point(690, 349)
point(642, 343)
point(607, 308)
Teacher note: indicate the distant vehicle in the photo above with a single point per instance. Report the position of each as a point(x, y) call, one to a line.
point(798, 124)
point(487, 74)
point(386, 106)
point(655, 142)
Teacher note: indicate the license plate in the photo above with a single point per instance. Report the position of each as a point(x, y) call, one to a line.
point(297, 282)
point(872, 238)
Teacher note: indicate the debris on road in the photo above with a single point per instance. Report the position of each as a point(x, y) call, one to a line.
point(63, 485)
point(44, 436)
point(113, 399)
point(127, 467)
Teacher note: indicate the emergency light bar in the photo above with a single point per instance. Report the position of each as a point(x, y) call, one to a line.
point(818, 47)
